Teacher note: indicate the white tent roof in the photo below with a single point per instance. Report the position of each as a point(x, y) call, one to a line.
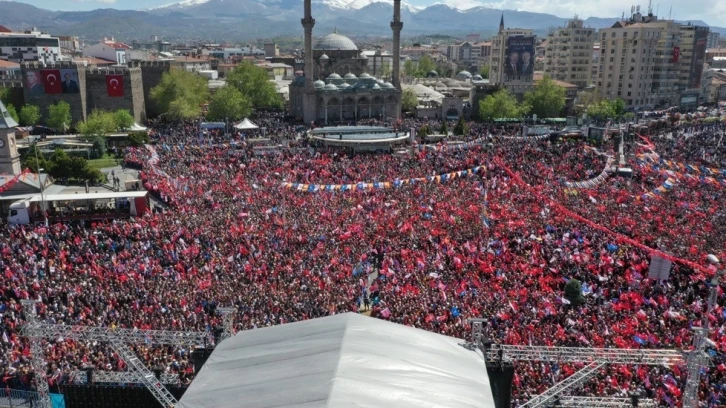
point(345, 360)
point(138, 128)
point(246, 124)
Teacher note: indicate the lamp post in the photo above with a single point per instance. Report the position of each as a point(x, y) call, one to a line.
point(40, 183)
point(698, 358)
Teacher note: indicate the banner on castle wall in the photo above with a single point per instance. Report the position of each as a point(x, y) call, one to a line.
point(51, 79)
point(69, 84)
point(115, 85)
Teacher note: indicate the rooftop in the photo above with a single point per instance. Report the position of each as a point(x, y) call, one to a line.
point(9, 64)
point(335, 42)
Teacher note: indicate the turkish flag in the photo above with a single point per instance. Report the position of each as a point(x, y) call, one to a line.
point(115, 85)
point(52, 82)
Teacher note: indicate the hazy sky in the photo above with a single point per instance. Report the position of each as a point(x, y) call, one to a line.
point(711, 11)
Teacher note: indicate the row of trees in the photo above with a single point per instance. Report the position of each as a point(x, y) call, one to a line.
point(546, 100)
point(61, 165)
point(183, 95)
point(58, 116)
point(100, 124)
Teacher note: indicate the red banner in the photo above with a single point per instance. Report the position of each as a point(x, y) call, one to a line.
point(52, 82)
point(115, 85)
point(676, 53)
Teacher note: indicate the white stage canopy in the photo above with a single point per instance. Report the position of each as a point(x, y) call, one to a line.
point(246, 124)
point(345, 360)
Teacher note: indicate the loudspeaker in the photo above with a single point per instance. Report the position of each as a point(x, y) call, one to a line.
point(501, 378)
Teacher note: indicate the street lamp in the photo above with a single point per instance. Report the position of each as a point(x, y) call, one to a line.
point(40, 183)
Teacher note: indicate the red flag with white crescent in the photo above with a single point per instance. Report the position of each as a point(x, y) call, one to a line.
point(115, 85)
point(52, 82)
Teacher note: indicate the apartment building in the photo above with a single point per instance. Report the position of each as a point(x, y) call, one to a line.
point(694, 42)
point(513, 57)
point(666, 69)
point(568, 53)
point(627, 60)
point(713, 39)
point(29, 46)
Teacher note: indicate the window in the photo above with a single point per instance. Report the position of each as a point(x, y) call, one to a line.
point(13, 213)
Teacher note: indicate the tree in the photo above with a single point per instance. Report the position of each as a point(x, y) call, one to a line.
point(13, 113)
point(228, 102)
point(385, 70)
point(5, 96)
point(573, 292)
point(124, 119)
point(484, 71)
point(444, 129)
point(425, 65)
point(61, 165)
point(602, 110)
point(29, 115)
point(409, 69)
point(618, 107)
point(180, 94)
point(28, 160)
point(547, 99)
point(423, 131)
point(253, 82)
point(501, 104)
point(461, 127)
point(137, 139)
point(409, 100)
point(59, 116)
point(95, 129)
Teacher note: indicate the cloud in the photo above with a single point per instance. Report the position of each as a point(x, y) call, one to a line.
point(96, 1)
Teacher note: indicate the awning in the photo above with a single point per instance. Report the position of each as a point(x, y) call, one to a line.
point(246, 124)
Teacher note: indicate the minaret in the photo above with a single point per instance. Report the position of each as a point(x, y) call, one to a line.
point(9, 157)
point(501, 24)
point(396, 26)
point(309, 97)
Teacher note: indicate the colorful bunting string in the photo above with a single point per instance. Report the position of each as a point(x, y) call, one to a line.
point(609, 169)
point(10, 183)
point(381, 185)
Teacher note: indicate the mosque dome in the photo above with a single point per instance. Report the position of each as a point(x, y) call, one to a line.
point(350, 75)
point(365, 75)
point(387, 85)
point(330, 87)
point(464, 74)
point(343, 86)
point(324, 57)
point(375, 86)
point(333, 76)
point(318, 84)
point(335, 42)
point(432, 74)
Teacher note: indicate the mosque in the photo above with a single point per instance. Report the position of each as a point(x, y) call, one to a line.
point(336, 87)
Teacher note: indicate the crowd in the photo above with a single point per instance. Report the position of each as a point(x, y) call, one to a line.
point(494, 244)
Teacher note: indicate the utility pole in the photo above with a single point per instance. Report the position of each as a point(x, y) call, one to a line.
point(41, 184)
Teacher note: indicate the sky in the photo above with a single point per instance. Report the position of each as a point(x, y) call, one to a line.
point(713, 12)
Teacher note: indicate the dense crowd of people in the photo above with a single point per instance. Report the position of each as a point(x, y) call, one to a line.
point(500, 243)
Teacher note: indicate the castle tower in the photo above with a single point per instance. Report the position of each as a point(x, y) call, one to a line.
point(309, 109)
point(396, 26)
point(9, 157)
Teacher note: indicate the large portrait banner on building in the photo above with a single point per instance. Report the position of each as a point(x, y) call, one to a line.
point(115, 85)
point(70, 81)
point(33, 83)
point(51, 79)
point(519, 58)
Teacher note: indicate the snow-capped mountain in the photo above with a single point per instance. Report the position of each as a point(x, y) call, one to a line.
point(178, 5)
point(284, 5)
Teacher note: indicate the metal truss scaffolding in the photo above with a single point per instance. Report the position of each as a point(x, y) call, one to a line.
point(37, 360)
point(119, 377)
point(603, 402)
point(129, 336)
point(145, 376)
point(570, 382)
point(227, 314)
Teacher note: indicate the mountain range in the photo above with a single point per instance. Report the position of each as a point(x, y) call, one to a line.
point(240, 20)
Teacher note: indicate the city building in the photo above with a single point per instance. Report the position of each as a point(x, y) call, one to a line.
point(415, 53)
point(513, 58)
point(694, 41)
point(712, 53)
point(380, 62)
point(713, 85)
point(595, 67)
point(473, 38)
point(69, 45)
point(713, 39)
point(227, 53)
point(666, 60)
point(108, 49)
point(9, 70)
point(568, 53)
point(627, 59)
point(29, 46)
point(336, 86)
point(271, 50)
point(154, 44)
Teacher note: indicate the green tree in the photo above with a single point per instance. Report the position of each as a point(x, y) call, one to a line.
point(501, 104)
point(99, 124)
point(547, 99)
point(5, 96)
point(425, 65)
point(29, 115)
point(423, 131)
point(61, 165)
point(444, 130)
point(253, 82)
point(124, 119)
point(573, 292)
point(385, 70)
point(180, 94)
point(484, 71)
point(461, 127)
point(409, 100)
point(137, 139)
point(28, 160)
point(601, 110)
point(409, 69)
point(59, 116)
point(229, 102)
point(618, 107)
point(13, 113)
